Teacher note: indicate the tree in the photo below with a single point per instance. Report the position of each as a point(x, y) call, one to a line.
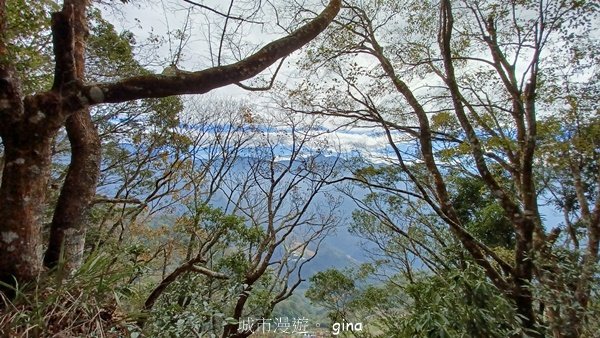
point(242, 259)
point(193, 230)
point(427, 278)
point(489, 69)
point(334, 290)
point(30, 121)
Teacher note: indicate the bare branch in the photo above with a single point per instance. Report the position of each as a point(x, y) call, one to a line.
point(269, 86)
point(108, 200)
point(225, 15)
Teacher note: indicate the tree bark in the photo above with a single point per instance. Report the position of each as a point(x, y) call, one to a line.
point(27, 127)
point(67, 232)
point(24, 177)
point(27, 151)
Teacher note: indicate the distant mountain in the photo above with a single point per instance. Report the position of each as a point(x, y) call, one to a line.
point(340, 248)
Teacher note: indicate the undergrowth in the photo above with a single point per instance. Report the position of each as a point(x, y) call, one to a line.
point(87, 304)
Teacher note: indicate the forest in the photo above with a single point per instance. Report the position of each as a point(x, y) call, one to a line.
point(314, 168)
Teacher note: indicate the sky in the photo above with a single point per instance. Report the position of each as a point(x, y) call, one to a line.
point(148, 19)
point(151, 18)
point(202, 32)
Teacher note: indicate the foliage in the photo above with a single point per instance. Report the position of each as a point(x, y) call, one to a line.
point(489, 110)
point(334, 290)
point(91, 303)
point(460, 303)
point(30, 41)
point(480, 212)
point(491, 113)
point(193, 306)
point(190, 266)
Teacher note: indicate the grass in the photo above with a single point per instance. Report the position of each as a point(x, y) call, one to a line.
point(87, 304)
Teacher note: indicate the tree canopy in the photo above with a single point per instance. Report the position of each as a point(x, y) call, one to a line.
point(128, 207)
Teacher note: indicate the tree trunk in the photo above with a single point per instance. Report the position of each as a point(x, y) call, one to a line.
point(232, 330)
point(67, 232)
point(27, 127)
point(22, 201)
